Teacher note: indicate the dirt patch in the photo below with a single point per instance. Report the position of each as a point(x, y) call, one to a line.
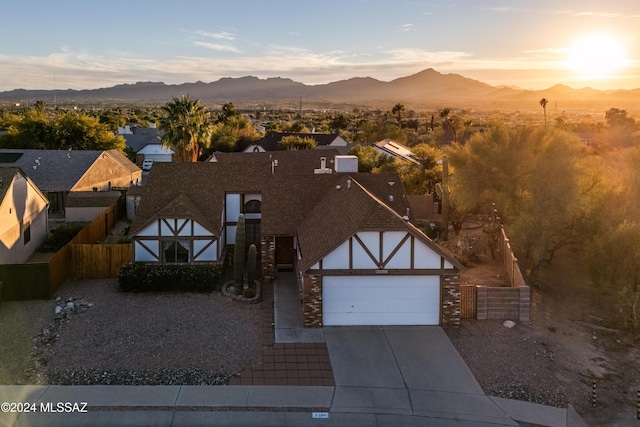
point(572, 343)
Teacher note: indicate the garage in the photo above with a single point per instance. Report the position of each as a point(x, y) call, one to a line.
point(381, 300)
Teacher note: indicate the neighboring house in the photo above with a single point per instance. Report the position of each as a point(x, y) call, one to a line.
point(270, 142)
point(158, 153)
point(394, 149)
point(59, 172)
point(146, 143)
point(85, 206)
point(347, 236)
point(23, 216)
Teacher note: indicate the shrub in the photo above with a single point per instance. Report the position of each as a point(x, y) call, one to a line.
point(140, 277)
point(248, 293)
point(61, 236)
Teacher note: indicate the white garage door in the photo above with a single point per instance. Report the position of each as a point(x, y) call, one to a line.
point(380, 300)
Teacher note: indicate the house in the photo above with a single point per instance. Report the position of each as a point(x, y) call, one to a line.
point(23, 216)
point(158, 153)
point(347, 236)
point(394, 149)
point(270, 142)
point(146, 143)
point(85, 206)
point(59, 172)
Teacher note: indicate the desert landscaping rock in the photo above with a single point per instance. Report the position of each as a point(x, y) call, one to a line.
point(509, 324)
point(104, 336)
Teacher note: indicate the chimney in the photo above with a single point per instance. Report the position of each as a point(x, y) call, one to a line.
point(323, 166)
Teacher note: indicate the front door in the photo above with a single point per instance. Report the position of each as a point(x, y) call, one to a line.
point(285, 253)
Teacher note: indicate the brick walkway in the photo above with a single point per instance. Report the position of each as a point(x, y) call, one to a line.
point(286, 364)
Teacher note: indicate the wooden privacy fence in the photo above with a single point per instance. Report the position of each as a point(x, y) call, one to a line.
point(510, 262)
point(467, 301)
point(24, 281)
point(98, 261)
point(484, 302)
point(67, 264)
point(81, 258)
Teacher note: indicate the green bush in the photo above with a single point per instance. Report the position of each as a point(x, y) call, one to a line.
point(62, 235)
point(169, 278)
point(248, 293)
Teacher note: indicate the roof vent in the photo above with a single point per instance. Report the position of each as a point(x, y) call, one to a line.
point(323, 166)
point(390, 197)
point(391, 183)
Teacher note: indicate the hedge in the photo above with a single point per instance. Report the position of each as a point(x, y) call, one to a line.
point(140, 277)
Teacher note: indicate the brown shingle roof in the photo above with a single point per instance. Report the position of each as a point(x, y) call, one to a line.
point(293, 200)
point(346, 210)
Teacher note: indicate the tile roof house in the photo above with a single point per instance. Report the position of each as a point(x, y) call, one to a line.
point(23, 216)
point(347, 236)
point(59, 172)
point(270, 142)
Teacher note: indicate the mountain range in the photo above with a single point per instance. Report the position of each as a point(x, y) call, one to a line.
point(426, 89)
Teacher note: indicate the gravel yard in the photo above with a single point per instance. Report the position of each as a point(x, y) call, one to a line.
point(104, 336)
point(566, 349)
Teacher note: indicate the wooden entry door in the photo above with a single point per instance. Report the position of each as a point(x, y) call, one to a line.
point(285, 253)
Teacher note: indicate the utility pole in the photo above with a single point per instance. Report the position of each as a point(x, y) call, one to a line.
point(445, 197)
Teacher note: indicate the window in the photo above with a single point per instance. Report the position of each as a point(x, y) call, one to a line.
point(253, 206)
point(26, 232)
point(176, 251)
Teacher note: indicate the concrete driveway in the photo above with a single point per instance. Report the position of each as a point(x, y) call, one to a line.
point(407, 370)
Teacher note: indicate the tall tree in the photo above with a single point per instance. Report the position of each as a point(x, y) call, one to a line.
point(186, 128)
point(294, 142)
point(448, 129)
point(397, 111)
point(537, 180)
point(543, 104)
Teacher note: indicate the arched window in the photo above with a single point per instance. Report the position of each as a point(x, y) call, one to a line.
point(253, 206)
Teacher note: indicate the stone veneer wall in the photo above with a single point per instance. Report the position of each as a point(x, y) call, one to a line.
point(268, 258)
point(312, 301)
point(450, 309)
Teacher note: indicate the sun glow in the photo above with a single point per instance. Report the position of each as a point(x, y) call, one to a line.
point(597, 57)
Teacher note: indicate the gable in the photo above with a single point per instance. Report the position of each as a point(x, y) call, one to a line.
point(383, 250)
point(376, 236)
point(171, 220)
point(108, 170)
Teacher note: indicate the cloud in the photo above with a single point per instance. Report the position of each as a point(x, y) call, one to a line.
point(81, 70)
point(224, 35)
point(218, 47)
point(407, 27)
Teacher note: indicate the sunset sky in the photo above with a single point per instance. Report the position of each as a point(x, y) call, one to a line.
point(530, 44)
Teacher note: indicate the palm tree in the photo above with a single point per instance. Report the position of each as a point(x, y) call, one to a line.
point(543, 103)
point(467, 131)
point(448, 129)
point(186, 128)
point(397, 110)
